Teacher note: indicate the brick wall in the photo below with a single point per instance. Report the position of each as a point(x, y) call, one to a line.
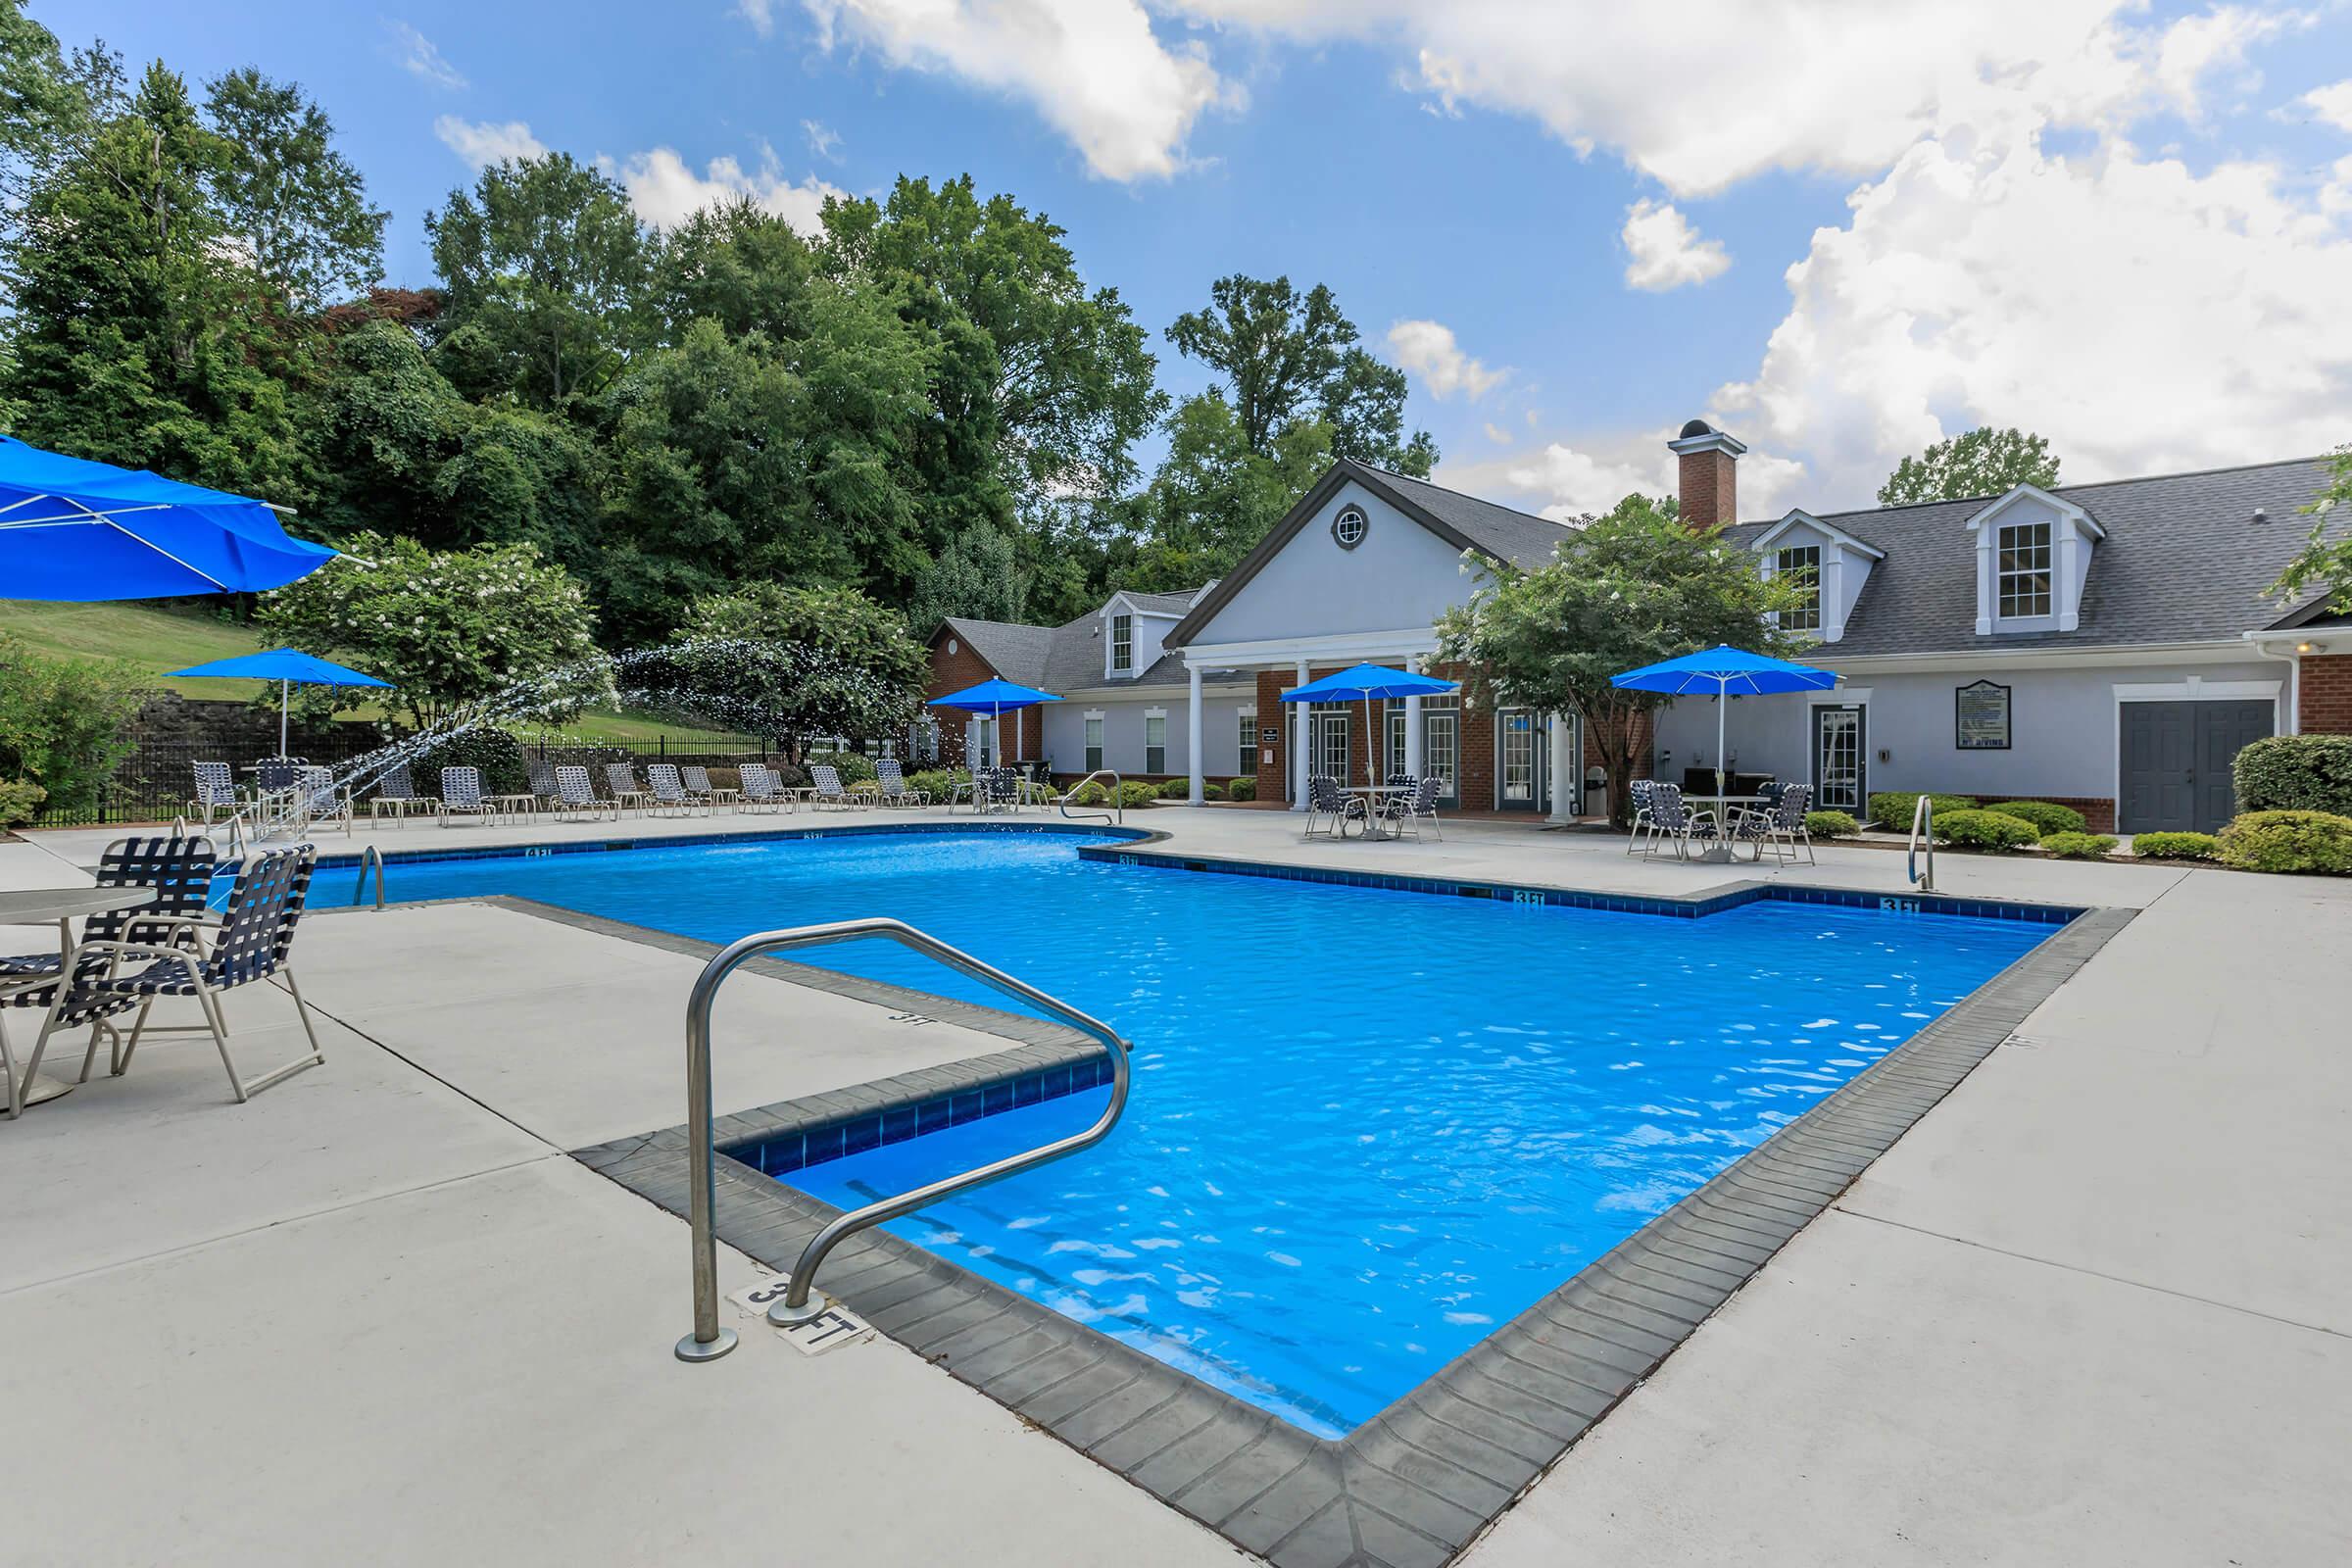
point(2324, 694)
point(1024, 732)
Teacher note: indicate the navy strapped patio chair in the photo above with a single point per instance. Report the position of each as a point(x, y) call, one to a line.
point(1781, 829)
point(667, 790)
point(253, 943)
point(179, 873)
point(1324, 800)
point(462, 794)
point(1645, 827)
point(896, 791)
point(1404, 812)
point(576, 791)
point(274, 775)
point(621, 780)
point(1677, 822)
point(215, 791)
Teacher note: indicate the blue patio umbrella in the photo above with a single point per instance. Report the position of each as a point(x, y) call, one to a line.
point(1725, 671)
point(995, 697)
point(73, 529)
point(1365, 682)
point(289, 670)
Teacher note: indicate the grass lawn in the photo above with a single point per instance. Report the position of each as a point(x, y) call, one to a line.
point(157, 639)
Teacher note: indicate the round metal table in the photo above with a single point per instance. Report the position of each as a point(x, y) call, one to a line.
point(39, 906)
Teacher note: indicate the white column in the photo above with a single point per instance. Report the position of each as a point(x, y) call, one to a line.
point(1412, 736)
point(1304, 716)
point(1564, 780)
point(1192, 731)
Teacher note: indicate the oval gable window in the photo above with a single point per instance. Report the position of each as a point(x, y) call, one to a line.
point(951, 645)
point(1348, 527)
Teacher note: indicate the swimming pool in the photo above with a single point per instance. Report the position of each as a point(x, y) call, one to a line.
point(1367, 1126)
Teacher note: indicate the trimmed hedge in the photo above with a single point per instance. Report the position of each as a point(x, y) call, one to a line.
point(2295, 774)
point(19, 798)
point(2174, 846)
point(1138, 793)
point(497, 753)
point(937, 782)
point(1211, 790)
point(1832, 824)
point(853, 769)
point(1094, 791)
point(1175, 789)
point(2078, 846)
point(2046, 816)
point(1242, 789)
point(1983, 830)
point(1892, 811)
point(2288, 841)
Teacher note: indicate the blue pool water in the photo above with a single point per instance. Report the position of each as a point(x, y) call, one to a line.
point(1367, 1126)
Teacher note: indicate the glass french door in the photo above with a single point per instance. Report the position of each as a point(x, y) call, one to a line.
point(1518, 752)
point(1441, 751)
point(1840, 761)
point(1329, 754)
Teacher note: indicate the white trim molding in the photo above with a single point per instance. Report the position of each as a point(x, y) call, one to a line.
point(2198, 689)
point(1342, 648)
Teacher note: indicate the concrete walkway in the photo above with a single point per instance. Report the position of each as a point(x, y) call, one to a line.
point(2090, 1309)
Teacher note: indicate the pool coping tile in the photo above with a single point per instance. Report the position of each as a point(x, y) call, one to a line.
point(1413, 1486)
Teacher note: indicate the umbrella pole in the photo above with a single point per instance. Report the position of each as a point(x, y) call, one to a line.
point(1723, 704)
point(284, 699)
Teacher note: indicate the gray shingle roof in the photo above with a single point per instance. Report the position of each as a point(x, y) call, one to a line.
point(1519, 537)
point(1069, 656)
point(1018, 653)
point(2182, 562)
point(1167, 603)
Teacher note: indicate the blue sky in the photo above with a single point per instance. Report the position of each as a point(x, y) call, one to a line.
point(2127, 228)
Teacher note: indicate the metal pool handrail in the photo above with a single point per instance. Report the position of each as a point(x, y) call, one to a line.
point(1118, 803)
point(709, 1342)
point(1923, 831)
point(371, 856)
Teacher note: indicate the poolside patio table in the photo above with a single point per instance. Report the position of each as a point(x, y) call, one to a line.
point(1374, 797)
point(1718, 851)
point(39, 906)
point(511, 806)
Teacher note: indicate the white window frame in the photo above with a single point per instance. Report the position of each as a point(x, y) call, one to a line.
point(1155, 753)
point(1245, 757)
point(1122, 644)
point(2003, 573)
point(1093, 734)
point(1808, 618)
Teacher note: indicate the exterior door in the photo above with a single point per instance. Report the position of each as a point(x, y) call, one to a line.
point(1841, 771)
point(2176, 762)
point(1441, 751)
point(1329, 755)
point(1518, 759)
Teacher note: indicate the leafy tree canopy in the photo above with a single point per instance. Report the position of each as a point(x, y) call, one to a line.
point(448, 630)
point(796, 664)
point(2325, 565)
point(978, 575)
point(1983, 462)
point(296, 207)
point(1633, 586)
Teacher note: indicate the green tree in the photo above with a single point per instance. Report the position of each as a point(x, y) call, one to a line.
point(978, 575)
point(2325, 563)
point(1983, 462)
point(797, 665)
point(1289, 357)
point(297, 208)
point(544, 263)
point(1042, 384)
point(447, 629)
point(738, 265)
point(1213, 498)
point(65, 723)
point(47, 105)
point(1631, 588)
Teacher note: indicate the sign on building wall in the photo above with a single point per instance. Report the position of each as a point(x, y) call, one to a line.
point(1980, 718)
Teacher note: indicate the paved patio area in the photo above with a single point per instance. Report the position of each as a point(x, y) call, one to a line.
point(2091, 1307)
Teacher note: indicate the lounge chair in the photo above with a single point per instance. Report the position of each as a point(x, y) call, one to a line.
point(669, 793)
point(462, 794)
point(1324, 800)
point(540, 778)
point(621, 779)
point(253, 940)
point(762, 791)
point(699, 788)
point(825, 785)
point(1677, 822)
point(576, 792)
point(322, 801)
point(396, 793)
point(273, 775)
point(215, 791)
point(1407, 813)
point(896, 791)
point(1780, 828)
point(1644, 838)
point(179, 871)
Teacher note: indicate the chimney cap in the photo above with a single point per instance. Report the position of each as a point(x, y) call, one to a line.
point(1696, 428)
point(1699, 436)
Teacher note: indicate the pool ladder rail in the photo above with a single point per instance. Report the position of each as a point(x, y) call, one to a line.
point(709, 1340)
point(1117, 816)
point(1923, 832)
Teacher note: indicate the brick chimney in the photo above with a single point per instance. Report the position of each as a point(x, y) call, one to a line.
point(1710, 478)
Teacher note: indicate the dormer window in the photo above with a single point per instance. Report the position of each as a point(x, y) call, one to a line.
point(1122, 644)
point(1802, 563)
point(2025, 571)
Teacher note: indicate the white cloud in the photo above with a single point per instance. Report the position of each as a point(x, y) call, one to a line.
point(760, 14)
point(1427, 349)
point(2143, 317)
point(1573, 475)
point(1497, 434)
point(482, 143)
point(2331, 105)
point(419, 58)
point(1666, 250)
point(2195, 47)
point(665, 192)
point(1093, 69)
point(823, 141)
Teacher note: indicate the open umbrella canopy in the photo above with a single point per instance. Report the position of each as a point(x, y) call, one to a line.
point(993, 697)
point(1367, 681)
point(78, 531)
point(285, 664)
point(1725, 671)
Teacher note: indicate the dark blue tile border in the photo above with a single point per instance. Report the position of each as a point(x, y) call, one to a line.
point(663, 841)
point(795, 1143)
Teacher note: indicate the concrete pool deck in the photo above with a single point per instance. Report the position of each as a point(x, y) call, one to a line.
point(2089, 1307)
